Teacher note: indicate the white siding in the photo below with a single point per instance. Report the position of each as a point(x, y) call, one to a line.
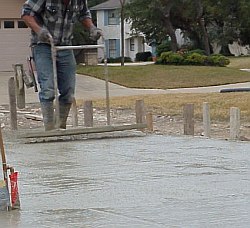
point(114, 32)
point(10, 8)
point(14, 47)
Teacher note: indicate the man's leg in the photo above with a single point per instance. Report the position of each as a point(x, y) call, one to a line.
point(66, 67)
point(43, 62)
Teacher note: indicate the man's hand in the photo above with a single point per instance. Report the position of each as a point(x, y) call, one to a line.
point(95, 33)
point(44, 35)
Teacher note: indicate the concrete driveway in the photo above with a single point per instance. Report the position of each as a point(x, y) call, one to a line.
point(92, 88)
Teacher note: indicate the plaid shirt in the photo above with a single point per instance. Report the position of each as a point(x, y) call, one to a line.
point(57, 18)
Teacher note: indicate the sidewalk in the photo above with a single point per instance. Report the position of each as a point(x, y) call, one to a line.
point(92, 88)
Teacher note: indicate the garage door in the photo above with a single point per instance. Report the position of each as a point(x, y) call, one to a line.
point(14, 44)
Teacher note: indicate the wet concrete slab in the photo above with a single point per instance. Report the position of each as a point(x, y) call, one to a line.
point(152, 181)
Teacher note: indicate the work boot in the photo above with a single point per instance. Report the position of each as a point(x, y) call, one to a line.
point(48, 115)
point(63, 114)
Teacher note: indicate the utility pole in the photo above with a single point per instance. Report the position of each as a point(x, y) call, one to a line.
point(122, 31)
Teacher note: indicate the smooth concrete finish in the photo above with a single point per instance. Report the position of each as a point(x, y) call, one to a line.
point(141, 182)
point(91, 88)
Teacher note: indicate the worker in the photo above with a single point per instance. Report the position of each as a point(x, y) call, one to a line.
point(56, 18)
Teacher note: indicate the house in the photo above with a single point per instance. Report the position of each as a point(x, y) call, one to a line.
point(108, 19)
point(14, 35)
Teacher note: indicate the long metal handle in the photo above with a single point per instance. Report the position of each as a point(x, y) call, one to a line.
point(4, 163)
point(54, 49)
point(79, 47)
point(53, 56)
point(106, 83)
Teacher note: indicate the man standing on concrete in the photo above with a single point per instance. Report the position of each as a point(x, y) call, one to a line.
point(56, 18)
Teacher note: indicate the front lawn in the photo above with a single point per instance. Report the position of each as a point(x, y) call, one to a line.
point(168, 77)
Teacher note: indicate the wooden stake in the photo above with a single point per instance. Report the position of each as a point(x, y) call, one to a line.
point(74, 113)
point(19, 84)
point(140, 111)
point(12, 103)
point(206, 120)
point(88, 114)
point(188, 119)
point(149, 120)
point(234, 123)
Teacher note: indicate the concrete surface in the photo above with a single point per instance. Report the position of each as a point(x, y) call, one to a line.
point(152, 181)
point(91, 88)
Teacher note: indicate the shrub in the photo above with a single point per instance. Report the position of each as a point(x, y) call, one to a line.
point(171, 58)
point(163, 47)
point(218, 60)
point(196, 59)
point(199, 51)
point(143, 56)
point(192, 58)
point(118, 60)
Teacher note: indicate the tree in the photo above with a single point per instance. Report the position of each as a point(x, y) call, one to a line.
point(203, 21)
point(154, 20)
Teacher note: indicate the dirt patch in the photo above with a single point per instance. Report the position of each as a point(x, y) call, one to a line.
point(31, 118)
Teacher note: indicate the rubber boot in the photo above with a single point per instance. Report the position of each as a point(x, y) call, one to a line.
point(63, 113)
point(48, 115)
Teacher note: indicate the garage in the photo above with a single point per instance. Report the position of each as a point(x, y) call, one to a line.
point(14, 35)
point(14, 43)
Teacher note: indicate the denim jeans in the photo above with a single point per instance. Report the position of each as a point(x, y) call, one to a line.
point(66, 67)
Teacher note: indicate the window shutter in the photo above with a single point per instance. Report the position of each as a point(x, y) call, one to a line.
point(118, 17)
point(118, 52)
point(107, 48)
point(106, 17)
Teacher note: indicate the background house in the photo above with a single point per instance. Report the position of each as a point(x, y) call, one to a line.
point(108, 19)
point(14, 35)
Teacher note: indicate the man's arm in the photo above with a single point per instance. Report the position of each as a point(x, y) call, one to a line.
point(95, 33)
point(87, 23)
point(42, 33)
point(31, 23)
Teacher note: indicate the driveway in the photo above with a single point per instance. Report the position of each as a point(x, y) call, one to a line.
point(92, 88)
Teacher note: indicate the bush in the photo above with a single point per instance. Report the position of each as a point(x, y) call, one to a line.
point(192, 58)
point(118, 60)
point(199, 51)
point(143, 56)
point(196, 59)
point(218, 60)
point(163, 47)
point(171, 58)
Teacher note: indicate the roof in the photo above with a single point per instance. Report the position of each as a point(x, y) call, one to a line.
point(110, 4)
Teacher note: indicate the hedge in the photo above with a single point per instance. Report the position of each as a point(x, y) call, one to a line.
point(192, 58)
point(143, 56)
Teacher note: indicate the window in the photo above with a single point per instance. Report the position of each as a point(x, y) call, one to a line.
point(21, 24)
point(132, 44)
point(112, 48)
point(8, 24)
point(112, 17)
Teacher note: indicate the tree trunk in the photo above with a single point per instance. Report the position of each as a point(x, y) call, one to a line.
point(201, 22)
point(171, 32)
point(169, 27)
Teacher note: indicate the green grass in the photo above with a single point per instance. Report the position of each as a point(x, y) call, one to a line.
point(167, 77)
point(158, 76)
point(240, 62)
